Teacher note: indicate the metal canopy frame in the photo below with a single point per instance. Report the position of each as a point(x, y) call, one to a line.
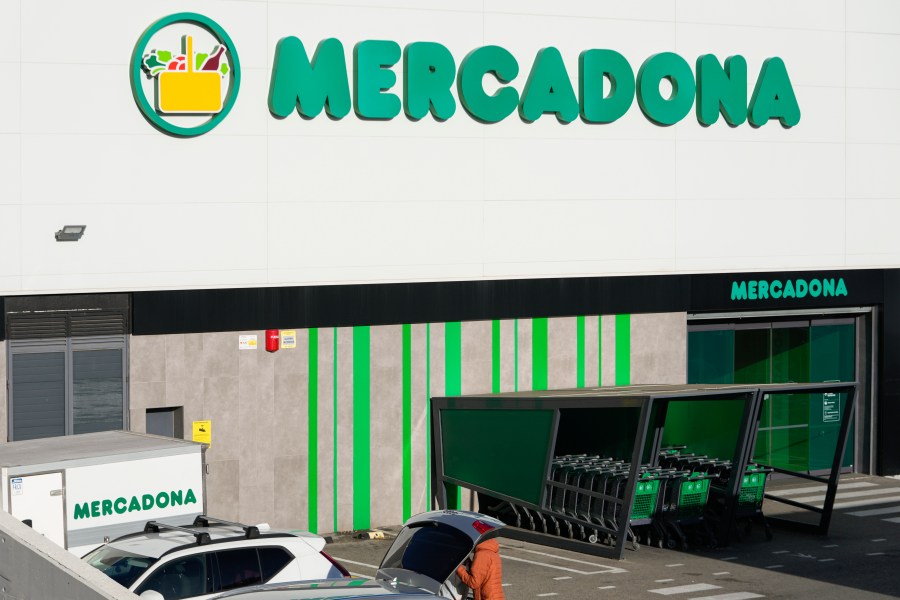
point(831, 481)
point(644, 399)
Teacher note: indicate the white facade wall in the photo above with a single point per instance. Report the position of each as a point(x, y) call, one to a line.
point(266, 202)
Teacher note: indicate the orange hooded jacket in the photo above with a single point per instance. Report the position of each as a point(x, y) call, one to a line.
point(486, 572)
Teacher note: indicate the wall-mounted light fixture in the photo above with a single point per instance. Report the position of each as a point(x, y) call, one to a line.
point(70, 233)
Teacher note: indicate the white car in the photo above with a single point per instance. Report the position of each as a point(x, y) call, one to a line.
point(421, 563)
point(209, 557)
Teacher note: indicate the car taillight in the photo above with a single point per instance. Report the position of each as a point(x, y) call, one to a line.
point(336, 564)
point(482, 527)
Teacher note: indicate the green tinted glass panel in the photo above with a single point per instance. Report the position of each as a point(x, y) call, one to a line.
point(710, 360)
point(504, 451)
point(751, 356)
point(832, 358)
point(711, 356)
point(709, 427)
point(785, 423)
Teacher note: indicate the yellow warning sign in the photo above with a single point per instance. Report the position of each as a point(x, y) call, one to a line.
point(288, 338)
point(203, 432)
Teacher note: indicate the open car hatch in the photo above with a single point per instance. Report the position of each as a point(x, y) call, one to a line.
point(432, 545)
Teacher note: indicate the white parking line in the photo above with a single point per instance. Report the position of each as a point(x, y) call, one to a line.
point(775, 566)
point(547, 594)
point(867, 502)
point(607, 568)
point(826, 559)
point(685, 589)
point(830, 546)
point(730, 558)
point(781, 552)
point(894, 520)
point(874, 512)
point(722, 573)
point(731, 596)
point(664, 580)
point(845, 495)
point(880, 540)
point(605, 571)
point(561, 578)
point(820, 488)
point(675, 565)
point(874, 553)
point(606, 587)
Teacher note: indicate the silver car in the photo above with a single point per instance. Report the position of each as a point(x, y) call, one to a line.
point(421, 563)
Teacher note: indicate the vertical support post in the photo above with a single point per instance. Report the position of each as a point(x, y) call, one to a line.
point(550, 452)
point(749, 424)
point(662, 410)
point(640, 439)
point(438, 491)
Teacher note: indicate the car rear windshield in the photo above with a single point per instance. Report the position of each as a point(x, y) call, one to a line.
point(122, 566)
point(433, 550)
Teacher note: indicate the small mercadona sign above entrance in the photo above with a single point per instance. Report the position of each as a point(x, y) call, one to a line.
point(764, 289)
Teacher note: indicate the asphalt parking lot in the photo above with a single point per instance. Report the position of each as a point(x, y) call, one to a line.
point(858, 559)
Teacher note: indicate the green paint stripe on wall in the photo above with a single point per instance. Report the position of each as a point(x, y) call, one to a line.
point(453, 358)
point(312, 448)
point(579, 352)
point(334, 421)
point(453, 370)
point(407, 422)
point(623, 349)
point(361, 421)
point(428, 416)
point(539, 354)
point(495, 357)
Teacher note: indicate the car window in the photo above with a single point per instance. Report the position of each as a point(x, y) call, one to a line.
point(272, 559)
point(238, 568)
point(181, 578)
point(123, 567)
point(432, 550)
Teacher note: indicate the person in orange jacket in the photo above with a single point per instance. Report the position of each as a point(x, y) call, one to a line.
point(486, 577)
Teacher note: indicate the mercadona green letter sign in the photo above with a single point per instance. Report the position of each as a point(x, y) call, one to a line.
point(607, 85)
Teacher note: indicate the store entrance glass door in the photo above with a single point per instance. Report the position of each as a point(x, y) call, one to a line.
point(797, 432)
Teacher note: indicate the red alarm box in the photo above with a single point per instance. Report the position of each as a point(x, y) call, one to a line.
point(273, 337)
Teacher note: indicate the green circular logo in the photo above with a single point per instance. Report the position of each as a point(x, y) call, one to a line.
point(185, 74)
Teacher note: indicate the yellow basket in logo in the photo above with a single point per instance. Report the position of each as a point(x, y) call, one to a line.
point(190, 91)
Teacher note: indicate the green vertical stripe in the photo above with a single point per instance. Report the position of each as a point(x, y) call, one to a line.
point(361, 422)
point(334, 433)
point(579, 352)
point(428, 416)
point(516, 355)
point(599, 349)
point(495, 357)
point(453, 377)
point(453, 358)
point(623, 349)
point(312, 447)
point(407, 422)
point(539, 354)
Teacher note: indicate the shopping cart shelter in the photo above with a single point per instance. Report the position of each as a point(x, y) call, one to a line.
point(617, 466)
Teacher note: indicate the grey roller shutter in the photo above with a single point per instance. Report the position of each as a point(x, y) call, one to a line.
point(39, 395)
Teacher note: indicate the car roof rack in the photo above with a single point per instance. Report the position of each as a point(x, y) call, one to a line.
point(250, 531)
point(156, 527)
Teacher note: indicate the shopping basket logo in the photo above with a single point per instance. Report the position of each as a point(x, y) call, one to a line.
point(185, 74)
